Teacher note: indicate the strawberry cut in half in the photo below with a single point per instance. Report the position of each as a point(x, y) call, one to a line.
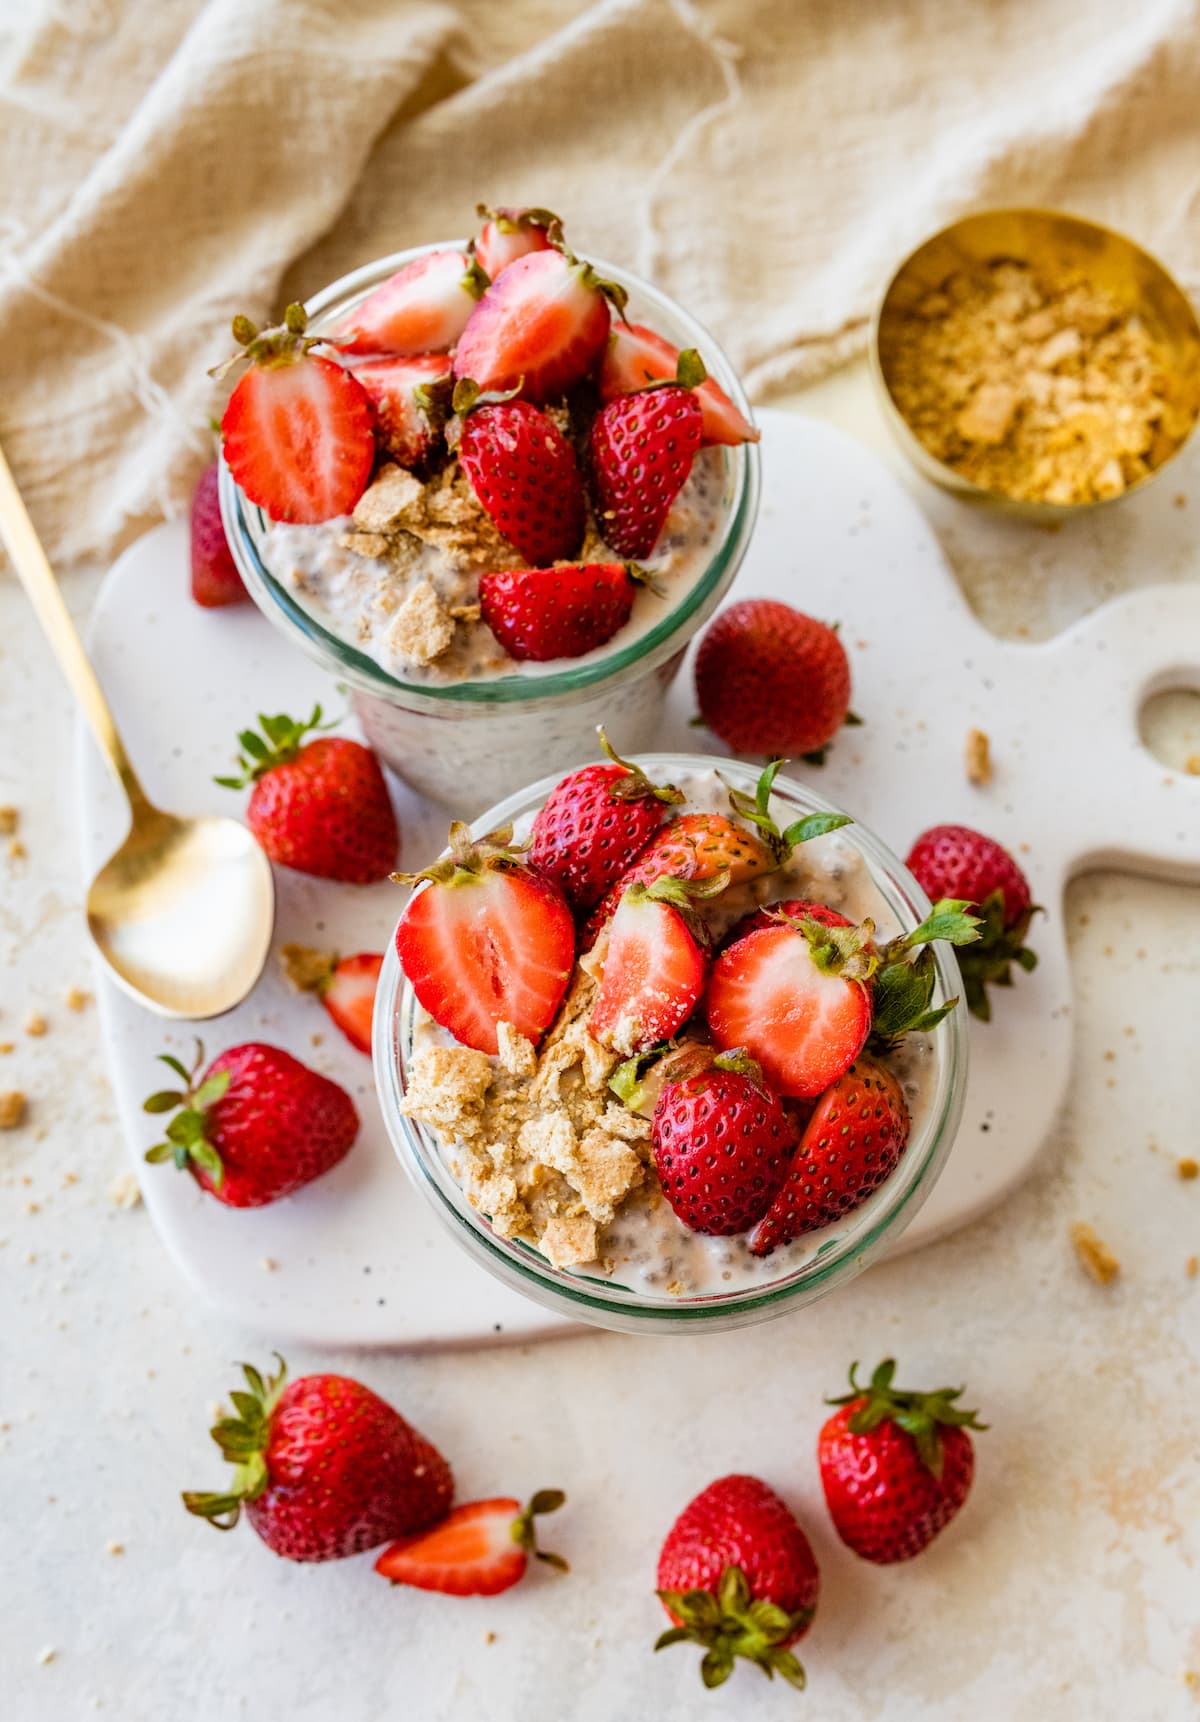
point(636, 356)
point(479, 1549)
point(487, 940)
point(297, 433)
point(794, 908)
point(524, 474)
point(507, 235)
point(722, 1146)
point(410, 398)
point(345, 986)
point(215, 578)
point(538, 614)
point(422, 308)
point(540, 327)
point(797, 997)
point(654, 965)
point(642, 447)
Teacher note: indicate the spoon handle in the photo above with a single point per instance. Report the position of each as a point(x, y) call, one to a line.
point(35, 574)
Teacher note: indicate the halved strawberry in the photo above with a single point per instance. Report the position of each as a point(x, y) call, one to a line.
point(404, 396)
point(509, 234)
point(541, 326)
point(796, 907)
point(297, 433)
point(559, 612)
point(422, 308)
point(796, 997)
point(636, 356)
point(524, 473)
point(479, 1549)
point(486, 941)
point(693, 846)
point(344, 985)
point(654, 965)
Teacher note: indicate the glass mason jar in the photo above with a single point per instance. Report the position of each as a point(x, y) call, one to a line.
point(466, 743)
point(809, 1268)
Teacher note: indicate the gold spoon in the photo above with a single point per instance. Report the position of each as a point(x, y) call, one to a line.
point(183, 912)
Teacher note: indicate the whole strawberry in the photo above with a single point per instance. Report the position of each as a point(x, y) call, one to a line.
point(594, 824)
point(320, 806)
point(642, 447)
point(955, 861)
point(215, 578)
point(559, 612)
point(770, 680)
point(324, 1468)
point(257, 1126)
point(896, 1466)
point(524, 473)
point(736, 1575)
point(722, 1146)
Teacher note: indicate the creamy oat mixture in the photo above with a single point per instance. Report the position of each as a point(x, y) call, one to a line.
point(548, 1153)
point(400, 578)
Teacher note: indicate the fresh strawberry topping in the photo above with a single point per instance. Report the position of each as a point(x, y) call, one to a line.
point(540, 327)
point(510, 234)
point(795, 908)
point(215, 578)
point(852, 1142)
point(693, 846)
point(561, 612)
point(955, 861)
point(636, 356)
point(654, 965)
point(409, 406)
point(594, 823)
point(721, 1146)
point(480, 1549)
point(770, 680)
point(487, 940)
point(525, 475)
point(422, 308)
point(642, 448)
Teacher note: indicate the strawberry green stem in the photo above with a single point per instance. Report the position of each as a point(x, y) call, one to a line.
point(729, 1623)
point(243, 1441)
point(921, 1415)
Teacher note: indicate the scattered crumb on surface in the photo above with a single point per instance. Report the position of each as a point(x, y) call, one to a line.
point(1179, 499)
point(269, 1264)
point(1192, 1267)
point(1094, 1256)
point(316, 1039)
point(112, 1547)
point(7, 1046)
point(979, 758)
point(1188, 1168)
point(36, 1024)
point(77, 999)
point(306, 968)
point(489, 1638)
point(125, 1191)
point(10, 818)
point(46, 1654)
point(17, 850)
point(12, 1108)
point(1192, 765)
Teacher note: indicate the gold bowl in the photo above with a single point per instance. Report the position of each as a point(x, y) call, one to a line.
point(1057, 245)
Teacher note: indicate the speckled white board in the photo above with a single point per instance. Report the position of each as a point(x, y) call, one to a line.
point(357, 1257)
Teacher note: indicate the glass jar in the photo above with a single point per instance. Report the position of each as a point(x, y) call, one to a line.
point(809, 1268)
point(467, 743)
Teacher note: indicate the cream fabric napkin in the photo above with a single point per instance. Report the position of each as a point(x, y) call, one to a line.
point(165, 163)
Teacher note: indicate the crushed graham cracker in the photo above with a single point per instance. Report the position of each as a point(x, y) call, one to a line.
point(125, 1191)
point(305, 968)
point(422, 628)
point(13, 1106)
point(1192, 1267)
point(10, 819)
point(36, 1024)
point(17, 850)
point(1188, 1168)
point(1192, 765)
point(77, 999)
point(1094, 1256)
point(978, 758)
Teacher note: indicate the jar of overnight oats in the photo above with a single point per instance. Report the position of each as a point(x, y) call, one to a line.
point(650, 1273)
point(468, 725)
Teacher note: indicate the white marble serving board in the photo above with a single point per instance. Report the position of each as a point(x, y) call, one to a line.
point(357, 1258)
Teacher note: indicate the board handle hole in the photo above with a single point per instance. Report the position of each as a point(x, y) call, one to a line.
point(1169, 727)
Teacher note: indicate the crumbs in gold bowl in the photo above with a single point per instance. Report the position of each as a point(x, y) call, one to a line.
point(1041, 388)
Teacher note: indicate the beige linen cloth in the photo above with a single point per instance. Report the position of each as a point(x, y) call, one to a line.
point(166, 163)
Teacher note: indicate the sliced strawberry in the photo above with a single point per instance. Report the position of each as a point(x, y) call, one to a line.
point(694, 846)
point(215, 578)
point(344, 985)
point(486, 941)
point(297, 433)
point(541, 326)
point(654, 965)
point(795, 996)
point(559, 612)
point(636, 356)
point(404, 397)
point(510, 234)
point(479, 1549)
point(525, 475)
point(798, 908)
point(642, 447)
point(422, 308)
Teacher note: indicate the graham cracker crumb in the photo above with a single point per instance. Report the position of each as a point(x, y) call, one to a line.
point(12, 1109)
point(370, 544)
point(36, 1024)
point(125, 1191)
point(1095, 1257)
point(306, 969)
point(1192, 765)
point(387, 499)
point(46, 1654)
point(1188, 1168)
point(489, 1638)
point(465, 612)
point(979, 758)
point(7, 1046)
point(112, 1547)
point(518, 1056)
point(17, 850)
point(10, 819)
point(269, 1264)
point(77, 999)
point(446, 1087)
point(422, 628)
point(567, 1241)
point(1192, 1267)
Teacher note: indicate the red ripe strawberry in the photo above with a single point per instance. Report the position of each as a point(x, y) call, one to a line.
point(796, 908)
point(895, 1466)
point(954, 861)
point(721, 1146)
point(257, 1126)
point(297, 433)
point(642, 448)
point(422, 308)
point(852, 1142)
point(796, 996)
point(487, 941)
point(771, 680)
point(737, 1575)
point(480, 1549)
point(510, 234)
point(655, 964)
point(215, 578)
point(559, 612)
point(409, 407)
point(540, 327)
point(321, 806)
point(636, 356)
point(525, 475)
point(344, 985)
point(693, 846)
point(325, 1468)
point(594, 823)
